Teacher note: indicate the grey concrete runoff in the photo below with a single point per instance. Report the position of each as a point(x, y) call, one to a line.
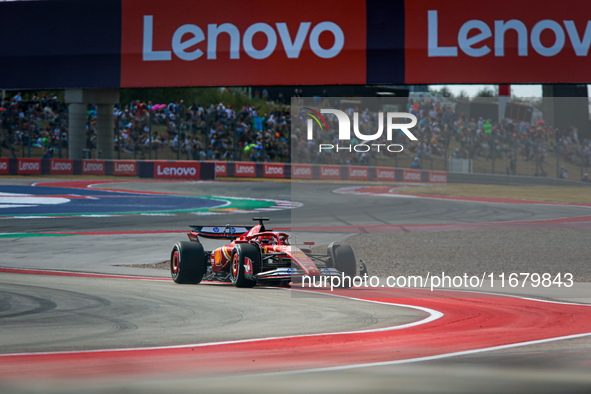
point(105, 313)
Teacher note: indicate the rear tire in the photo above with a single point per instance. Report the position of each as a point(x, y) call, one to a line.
point(237, 270)
point(187, 262)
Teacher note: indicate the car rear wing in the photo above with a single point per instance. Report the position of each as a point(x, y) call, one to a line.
point(220, 232)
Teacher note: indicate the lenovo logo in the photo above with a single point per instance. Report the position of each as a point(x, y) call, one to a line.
point(302, 171)
point(473, 35)
point(412, 176)
point(93, 167)
point(29, 166)
point(186, 41)
point(245, 169)
point(330, 172)
point(273, 170)
point(437, 177)
point(121, 167)
point(175, 171)
point(359, 173)
point(385, 174)
point(61, 166)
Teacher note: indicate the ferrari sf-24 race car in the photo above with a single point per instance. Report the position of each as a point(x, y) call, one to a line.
point(254, 255)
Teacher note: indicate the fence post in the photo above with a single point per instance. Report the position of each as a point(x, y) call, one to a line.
point(557, 159)
point(581, 159)
point(150, 134)
point(470, 152)
point(493, 150)
point(29, 139)
point(178, 136)
point(118, 129)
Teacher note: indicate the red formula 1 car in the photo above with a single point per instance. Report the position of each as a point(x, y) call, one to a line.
point(256, 255)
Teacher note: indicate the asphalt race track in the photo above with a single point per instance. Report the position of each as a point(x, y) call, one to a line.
point(76, 313)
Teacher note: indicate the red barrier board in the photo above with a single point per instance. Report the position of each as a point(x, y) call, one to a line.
point(411, 175)
point(385, 174)
point(274, 170)
point(301, 171)
point(244, 169)
point(330, 172)
point(93, 167)
point(125, 168)
point(234, 42)
point(4, 170)
point(177, 170)
point(437, 177)
point(61, 167)
point(221, 169)
point(501, 41)
point(29, 166)
point(358, 173)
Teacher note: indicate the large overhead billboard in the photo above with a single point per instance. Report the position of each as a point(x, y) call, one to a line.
point(150, 43)
point(179, 43)
point(463, 41)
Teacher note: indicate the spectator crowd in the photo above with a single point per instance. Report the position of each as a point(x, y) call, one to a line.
point(221, 132)
point(443, 133)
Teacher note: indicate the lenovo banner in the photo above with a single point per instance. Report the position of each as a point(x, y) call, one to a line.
point(4, 169)
point(330, 172)
point(243, 169)
point(301, 171)
point(234, 42)
point(176, 170)
point(29, 167)
point(125, 167)
point(411, 175)
point(358, 173)
point(437, 177)
point(502, 41)
point(93, 167)
point(61, 167)
point(274, 170)
point(221, 169)
point(385, 174)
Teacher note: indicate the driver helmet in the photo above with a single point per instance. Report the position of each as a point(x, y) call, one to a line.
point(266, 240)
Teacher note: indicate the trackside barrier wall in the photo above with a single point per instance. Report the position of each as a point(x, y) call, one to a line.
point(241, 169)
point(159, 169)
point(209, 170)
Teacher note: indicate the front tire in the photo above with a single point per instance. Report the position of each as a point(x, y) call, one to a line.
point(241, 253)
point(187, 262)
point(343, 258)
